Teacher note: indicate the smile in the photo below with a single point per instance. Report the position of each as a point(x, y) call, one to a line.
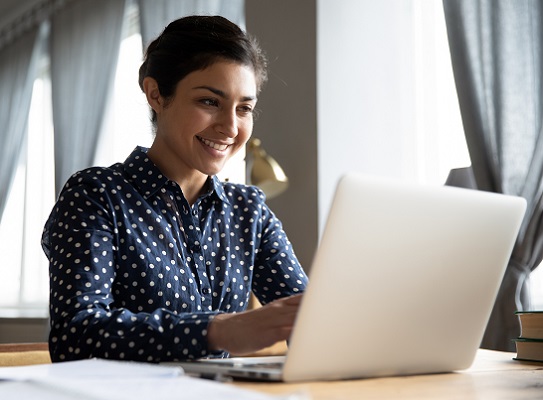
point(213, 145)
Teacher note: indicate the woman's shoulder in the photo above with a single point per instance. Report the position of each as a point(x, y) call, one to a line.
point(236, 192)
point(96, 174)
point(243, 198)
point(96, 177)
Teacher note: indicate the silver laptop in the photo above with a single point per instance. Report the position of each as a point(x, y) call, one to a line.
point(403, 283)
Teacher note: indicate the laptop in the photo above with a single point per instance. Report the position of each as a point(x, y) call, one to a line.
point(403, 283)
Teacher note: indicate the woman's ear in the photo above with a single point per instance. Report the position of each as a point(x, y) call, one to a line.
point(150, 88)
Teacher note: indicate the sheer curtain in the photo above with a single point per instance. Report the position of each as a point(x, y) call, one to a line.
point(18, 66)
point(496, 49)
point(85, 40)
point(155, 15)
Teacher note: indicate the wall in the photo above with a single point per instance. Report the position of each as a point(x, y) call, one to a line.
point(366, 93)
point(286, 30)
point(341, 97)
point(23, 330)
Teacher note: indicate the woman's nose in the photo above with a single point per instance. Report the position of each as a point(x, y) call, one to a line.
point(227, 123)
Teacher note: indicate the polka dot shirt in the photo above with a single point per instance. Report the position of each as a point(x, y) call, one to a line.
point(136, 273)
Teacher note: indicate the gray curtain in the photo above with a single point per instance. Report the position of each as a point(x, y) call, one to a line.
point(85, 40)
point(496, 51)
point(18, 69)
point(156, 14)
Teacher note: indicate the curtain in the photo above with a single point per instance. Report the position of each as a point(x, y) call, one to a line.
point(18, 69)
point(85, 40)
point(155, 15)
point(496, 48)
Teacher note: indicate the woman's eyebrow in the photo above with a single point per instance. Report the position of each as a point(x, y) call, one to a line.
point(222, 94)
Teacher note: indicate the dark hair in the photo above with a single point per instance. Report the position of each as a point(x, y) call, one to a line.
point(194, 43)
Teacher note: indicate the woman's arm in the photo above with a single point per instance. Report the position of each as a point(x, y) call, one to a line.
point(253, 330)
point(278, 282)
point(277, 271)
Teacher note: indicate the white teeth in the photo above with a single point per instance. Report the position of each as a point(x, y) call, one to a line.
point(214, 145)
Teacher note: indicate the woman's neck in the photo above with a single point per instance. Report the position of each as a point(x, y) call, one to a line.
point(191, 182)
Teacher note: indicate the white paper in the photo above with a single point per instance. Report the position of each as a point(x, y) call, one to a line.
point(98, 379)
point(24, 390)
point(92, 368)
point(183, 387)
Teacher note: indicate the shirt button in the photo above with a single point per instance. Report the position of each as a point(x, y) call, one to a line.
point(207, 290)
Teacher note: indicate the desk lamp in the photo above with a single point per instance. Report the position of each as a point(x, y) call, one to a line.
point(264, 171)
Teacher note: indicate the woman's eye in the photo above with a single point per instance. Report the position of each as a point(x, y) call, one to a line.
point(210, 102)
point(245, 109)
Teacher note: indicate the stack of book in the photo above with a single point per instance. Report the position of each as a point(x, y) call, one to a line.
point(530, 343)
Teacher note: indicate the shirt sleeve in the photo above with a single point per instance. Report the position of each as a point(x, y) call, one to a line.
point(80, 239)
point(278, 272)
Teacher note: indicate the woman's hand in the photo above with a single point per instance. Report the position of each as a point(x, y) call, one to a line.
point(253, 330)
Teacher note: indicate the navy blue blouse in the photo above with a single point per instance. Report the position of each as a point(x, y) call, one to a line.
point(136, 273)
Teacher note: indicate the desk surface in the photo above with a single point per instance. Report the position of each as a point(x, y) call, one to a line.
point(493, 375)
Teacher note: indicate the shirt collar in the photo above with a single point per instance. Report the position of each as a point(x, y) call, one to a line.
point(143, 172)
point(149, 179)
point(218, 188)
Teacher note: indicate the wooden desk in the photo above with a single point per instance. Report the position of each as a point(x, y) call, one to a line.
point(493, 375)
point(24, 354)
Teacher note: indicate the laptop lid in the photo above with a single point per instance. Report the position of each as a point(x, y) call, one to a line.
point(403, 282)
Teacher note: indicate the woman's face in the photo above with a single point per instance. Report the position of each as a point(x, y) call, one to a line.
point(208, 120)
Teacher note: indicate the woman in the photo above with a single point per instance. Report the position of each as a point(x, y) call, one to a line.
point(154, 259)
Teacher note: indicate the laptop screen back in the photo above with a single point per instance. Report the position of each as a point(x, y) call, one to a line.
point(404, 280)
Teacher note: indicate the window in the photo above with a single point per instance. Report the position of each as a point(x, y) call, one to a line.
point(436, 76)
point(25, 285)
point(24, 289)
point(25, 281)
point(127, 119)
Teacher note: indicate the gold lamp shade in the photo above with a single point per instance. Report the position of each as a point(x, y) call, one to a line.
point(264, 171)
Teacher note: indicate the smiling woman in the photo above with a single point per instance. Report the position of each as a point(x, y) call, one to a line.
point(155, 258)
point(208, 120)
